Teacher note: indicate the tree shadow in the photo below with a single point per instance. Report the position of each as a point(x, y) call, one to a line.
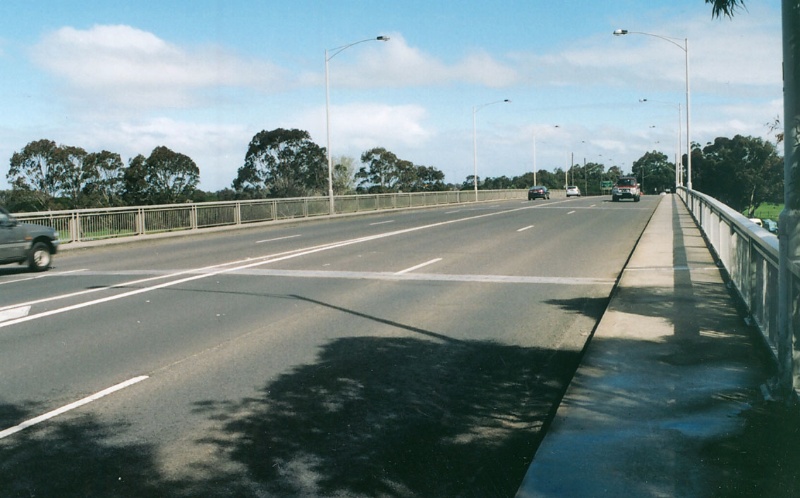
point(762, 460)
point(76, 459)
point(397, 417)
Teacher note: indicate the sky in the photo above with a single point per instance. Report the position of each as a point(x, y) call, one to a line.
point(204, 77)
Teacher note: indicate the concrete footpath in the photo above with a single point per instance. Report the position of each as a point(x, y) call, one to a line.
point(669, 369)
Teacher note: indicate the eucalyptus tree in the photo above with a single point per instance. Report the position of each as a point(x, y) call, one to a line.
point(37, 170)
point(282, 163)
point(104, 174)
point(381, 171)
point(171, 176)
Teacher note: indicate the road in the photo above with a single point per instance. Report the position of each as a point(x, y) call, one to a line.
point(413, 353)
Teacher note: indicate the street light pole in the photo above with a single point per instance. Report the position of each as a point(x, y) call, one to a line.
point(685, 48)
point(475, 110)
point(335, 51)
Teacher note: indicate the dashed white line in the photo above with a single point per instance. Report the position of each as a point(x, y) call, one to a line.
point(47, 416)
point(381, 223)
point(407, 270)
point(525, 228)
point(571, 212)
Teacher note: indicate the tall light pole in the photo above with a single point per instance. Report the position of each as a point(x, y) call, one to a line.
point(475, 110)
point(335, 51)
point(685, 48)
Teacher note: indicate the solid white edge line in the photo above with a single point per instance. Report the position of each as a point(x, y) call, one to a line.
point(401, 272)
point(278, 238)
point(47, 416)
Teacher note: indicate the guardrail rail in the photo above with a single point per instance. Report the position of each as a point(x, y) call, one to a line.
point(750, 255)
point(84, 225)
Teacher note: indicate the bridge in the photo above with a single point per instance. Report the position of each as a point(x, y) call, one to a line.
point(414, 351)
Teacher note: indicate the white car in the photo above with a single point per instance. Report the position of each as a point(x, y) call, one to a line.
point(573, 190)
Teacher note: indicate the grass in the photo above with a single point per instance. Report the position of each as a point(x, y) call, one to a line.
point(768, 211)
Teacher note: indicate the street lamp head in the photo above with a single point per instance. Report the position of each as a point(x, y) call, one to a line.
point(620, 32)
point(382, 38)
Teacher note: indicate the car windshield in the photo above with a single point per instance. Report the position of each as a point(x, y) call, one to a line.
point(626, 182)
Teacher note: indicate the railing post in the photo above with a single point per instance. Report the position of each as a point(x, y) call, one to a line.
point(74, 233)
point(193, 217)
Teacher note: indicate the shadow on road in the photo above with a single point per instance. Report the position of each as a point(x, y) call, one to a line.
point(404, 416)
point(398, 417)
point(75, 459)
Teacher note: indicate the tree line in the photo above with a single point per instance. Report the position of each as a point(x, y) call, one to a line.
point(743, 172)
point(279, 163)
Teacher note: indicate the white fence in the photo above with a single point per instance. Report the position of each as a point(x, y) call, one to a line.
point(84, 225)
point(749, 254)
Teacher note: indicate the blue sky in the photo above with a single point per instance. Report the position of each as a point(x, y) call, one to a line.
point(203, 77)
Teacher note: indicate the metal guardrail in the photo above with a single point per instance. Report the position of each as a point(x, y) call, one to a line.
point(749, 254)
point(83, 225)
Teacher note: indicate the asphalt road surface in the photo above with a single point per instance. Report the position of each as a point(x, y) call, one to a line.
point(413, 353)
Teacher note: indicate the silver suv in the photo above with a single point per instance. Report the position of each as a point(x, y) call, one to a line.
point(25, 243)
point(626, 188)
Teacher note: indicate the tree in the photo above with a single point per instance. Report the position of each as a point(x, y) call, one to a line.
point(742, 172)
point(282, 163)
point(381, 172)
point(654, 171)
point(104, 176)
point(726, 7)
point(37, 170)
point(171, 176)
point(428, 179)
point(134, 181)
point(343, 175)
point(73, 175)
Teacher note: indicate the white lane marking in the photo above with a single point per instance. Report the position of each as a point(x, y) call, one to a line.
point(381, 223)
point(571, 212)
point(132, 283)
point(218, 269)
point(47, 416)
point(453, 212)
point(12, 313)
point(44, 275)
point(407, 270)
point(525, 228)
point(278, 238)
point(432, 277)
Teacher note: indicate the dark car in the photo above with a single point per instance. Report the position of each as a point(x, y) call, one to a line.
point(538, 192)
point(25, 243)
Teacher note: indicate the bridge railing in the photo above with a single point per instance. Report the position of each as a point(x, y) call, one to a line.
point(749, 254)
point(83, 225)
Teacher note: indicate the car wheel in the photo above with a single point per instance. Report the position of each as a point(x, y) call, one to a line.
point(614, 198)
point(39, 258)
point(636, 199)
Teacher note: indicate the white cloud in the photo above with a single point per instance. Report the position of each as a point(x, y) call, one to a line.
point(128, 67)
point(397, 64)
